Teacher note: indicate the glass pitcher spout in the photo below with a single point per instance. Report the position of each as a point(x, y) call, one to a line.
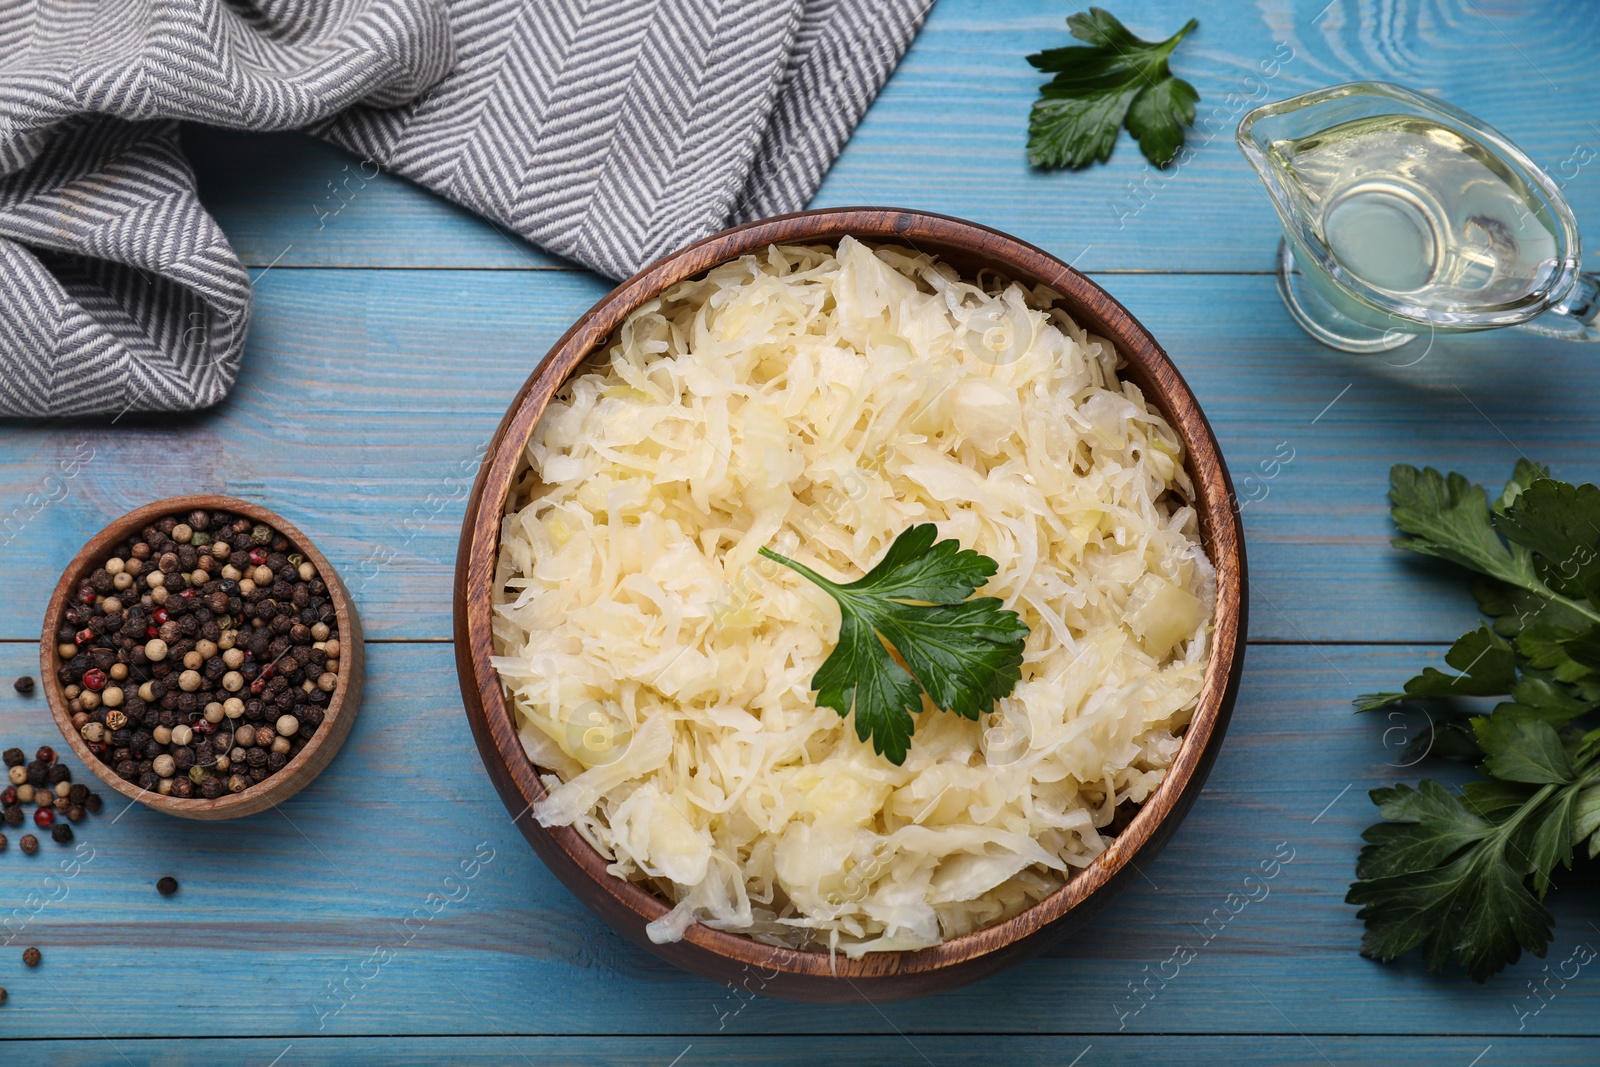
point(1403, 215)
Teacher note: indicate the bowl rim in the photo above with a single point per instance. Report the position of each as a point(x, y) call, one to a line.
point(342, 703)
point(517, 779)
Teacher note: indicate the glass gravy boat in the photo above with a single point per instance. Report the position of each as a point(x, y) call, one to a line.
point(1404, 216)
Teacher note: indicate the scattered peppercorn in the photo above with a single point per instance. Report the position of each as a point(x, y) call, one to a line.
point(3, 996)
point(23, 685)
point(44, 817)
point(29, 843)
point(14, 757)
point(13, 815)
point(61, 833)
point(32, 956)
point(192, 640)
point(167, 886)
point(3, 842)
point(45, 755)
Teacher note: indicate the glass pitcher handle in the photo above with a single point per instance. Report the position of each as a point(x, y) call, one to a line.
point(1576, 317)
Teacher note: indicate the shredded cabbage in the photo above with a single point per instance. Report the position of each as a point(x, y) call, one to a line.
point(822, 400)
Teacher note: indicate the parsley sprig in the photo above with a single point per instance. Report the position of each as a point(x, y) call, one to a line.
point(1465, 874)
point(1117, 79)
point(965, 654)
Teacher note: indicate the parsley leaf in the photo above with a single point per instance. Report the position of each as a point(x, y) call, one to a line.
point(1487, 664)
point(1120, 78)
point(964, 654)
point(1440, 876)
point(1465, 874)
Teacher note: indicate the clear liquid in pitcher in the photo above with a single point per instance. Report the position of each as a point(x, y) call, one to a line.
point(1418, 211)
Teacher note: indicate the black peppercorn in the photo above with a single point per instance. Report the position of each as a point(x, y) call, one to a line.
point(23, 685)
point(78, 793)
point(182, 788)
point(38, 774)
point(3, 842)
point(29, 843)
point(93, 802)
point(13, 815)
point(211, 788)
point(128, 769)
point(59, 772)
point(167, 886)
point(75, 813)
point(32, 956)
point(14, 757)
point(148, 781)
point(61, 833)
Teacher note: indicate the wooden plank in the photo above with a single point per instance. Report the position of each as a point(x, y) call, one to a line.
point(316, 918)
point(367, 395)
point(889, 1050)
point(948, 133)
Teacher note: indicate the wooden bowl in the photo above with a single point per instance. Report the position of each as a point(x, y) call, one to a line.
point(342, 705)
point(807, 975)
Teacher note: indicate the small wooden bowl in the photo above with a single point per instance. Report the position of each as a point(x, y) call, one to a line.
point(806, 975)
point(342, 705)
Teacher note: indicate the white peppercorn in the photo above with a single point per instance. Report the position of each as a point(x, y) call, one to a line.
point(155, 650)
point(288, 725)
point(163, 765)
point(189, 681)
point(182, 734)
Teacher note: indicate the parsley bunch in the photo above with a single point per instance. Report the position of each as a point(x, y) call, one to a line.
point(1465, 873)
point(1118, 79)
point(965, 654)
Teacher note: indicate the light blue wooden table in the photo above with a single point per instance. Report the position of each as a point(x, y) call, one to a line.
point(390, 331)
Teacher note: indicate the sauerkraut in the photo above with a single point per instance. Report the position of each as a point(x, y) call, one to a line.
point(821, 400)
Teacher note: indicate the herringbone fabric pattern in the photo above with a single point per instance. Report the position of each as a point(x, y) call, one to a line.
point(607, 131)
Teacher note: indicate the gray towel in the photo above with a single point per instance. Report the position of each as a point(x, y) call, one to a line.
point(607, 131)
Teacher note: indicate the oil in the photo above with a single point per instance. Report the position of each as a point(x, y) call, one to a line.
point(1421, 212)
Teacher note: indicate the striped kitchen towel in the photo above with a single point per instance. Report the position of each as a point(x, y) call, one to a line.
point(607, 131)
